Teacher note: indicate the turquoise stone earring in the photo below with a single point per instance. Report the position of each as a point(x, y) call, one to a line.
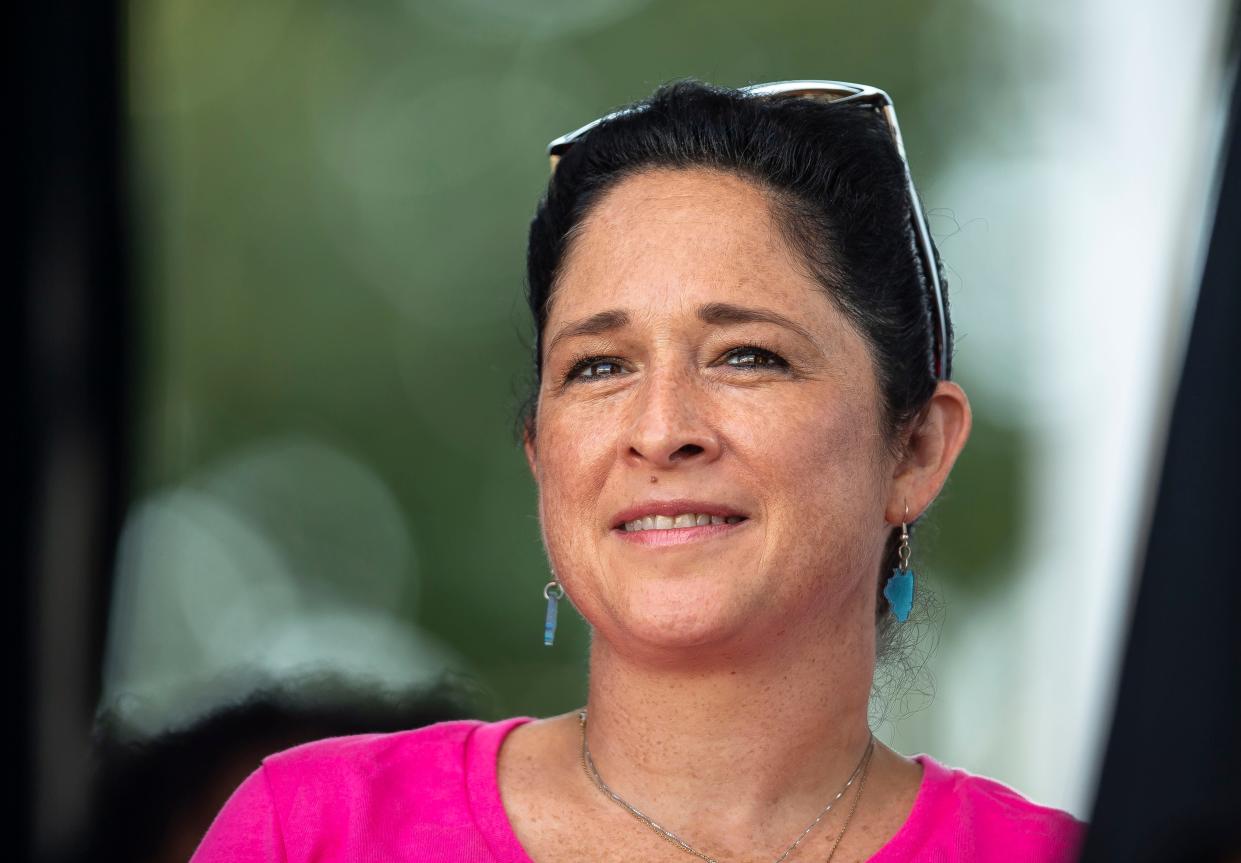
point(899, 588)
point(553, 592)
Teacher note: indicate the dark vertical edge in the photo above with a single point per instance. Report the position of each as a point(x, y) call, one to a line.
point(1170, 786)
point(20, 451)
point(73, 337)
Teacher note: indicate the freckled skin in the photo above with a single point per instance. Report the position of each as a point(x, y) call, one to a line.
point(729, 677)
point(797, 449)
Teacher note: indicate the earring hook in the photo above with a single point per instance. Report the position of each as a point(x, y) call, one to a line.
point(902, 550)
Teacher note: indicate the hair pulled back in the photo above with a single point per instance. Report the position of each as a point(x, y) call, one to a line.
point(838, 193)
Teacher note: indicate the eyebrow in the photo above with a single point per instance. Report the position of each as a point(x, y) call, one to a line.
point(727, 313)
point(601, 322)
point(718, 314)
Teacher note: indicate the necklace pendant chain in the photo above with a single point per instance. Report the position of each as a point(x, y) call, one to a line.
point(863, 765)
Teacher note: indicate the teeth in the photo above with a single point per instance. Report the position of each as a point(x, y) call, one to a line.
point(685, 519)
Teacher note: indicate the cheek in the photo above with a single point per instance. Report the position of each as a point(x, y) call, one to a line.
point(823, 470)
point(815, 441)
point(573, 465)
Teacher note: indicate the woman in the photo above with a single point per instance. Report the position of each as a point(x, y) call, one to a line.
point(743, 403)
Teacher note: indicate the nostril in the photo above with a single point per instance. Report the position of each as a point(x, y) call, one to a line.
point(686, 451)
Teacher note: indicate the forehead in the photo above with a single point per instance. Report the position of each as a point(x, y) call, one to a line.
point(680, 238)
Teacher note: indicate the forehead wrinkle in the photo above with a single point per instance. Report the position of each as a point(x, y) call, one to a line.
point(723, 314)
point(592, 325)
point(718, 198)
point(610, 243)
point(644, 197)
point(665, 191)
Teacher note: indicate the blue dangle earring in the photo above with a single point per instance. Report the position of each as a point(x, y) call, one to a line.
point(899, 589)
point(553, 592)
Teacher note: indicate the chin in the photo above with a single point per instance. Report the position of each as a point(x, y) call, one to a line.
point(679, 617)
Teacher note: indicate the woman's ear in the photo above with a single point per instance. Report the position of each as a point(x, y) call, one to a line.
point(527, 443)
point(936, 439)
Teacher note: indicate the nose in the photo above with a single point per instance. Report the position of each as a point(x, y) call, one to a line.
point(669, 423)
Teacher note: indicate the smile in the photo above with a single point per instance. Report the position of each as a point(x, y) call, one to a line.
point(685, 519)
point(657, 523)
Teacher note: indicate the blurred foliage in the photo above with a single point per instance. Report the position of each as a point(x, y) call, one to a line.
point(975, 529)
point(332, 201)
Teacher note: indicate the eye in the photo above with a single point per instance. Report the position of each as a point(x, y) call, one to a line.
point(594, 368)
point(753, 357)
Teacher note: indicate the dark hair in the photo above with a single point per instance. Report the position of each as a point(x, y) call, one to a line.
point(837, 189)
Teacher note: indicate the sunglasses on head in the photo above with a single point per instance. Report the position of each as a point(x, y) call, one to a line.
point(837, 91)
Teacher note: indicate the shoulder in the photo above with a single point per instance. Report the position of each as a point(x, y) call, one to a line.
point(975, 818)
point(409, 790)
point(1001, 821)
point(436, 751)
point(424, 767)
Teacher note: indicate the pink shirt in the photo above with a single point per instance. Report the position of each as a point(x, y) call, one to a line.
point(430, 795)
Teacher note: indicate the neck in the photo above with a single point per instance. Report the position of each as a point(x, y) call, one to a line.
point(742, 747)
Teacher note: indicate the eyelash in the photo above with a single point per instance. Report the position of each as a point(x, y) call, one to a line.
point(774, 360)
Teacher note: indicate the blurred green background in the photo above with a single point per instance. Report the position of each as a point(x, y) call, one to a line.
point(331, 207)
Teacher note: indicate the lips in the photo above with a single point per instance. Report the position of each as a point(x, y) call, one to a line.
point(685, 519)
point(659, 511)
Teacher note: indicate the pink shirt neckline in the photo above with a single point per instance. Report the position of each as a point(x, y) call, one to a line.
point(482, 750)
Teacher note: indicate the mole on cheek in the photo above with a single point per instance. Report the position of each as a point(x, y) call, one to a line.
point(654, 480)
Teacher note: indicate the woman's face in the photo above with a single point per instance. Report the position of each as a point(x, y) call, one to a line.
point(693, 368)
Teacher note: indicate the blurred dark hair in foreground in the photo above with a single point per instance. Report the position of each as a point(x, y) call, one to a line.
point(155, 796)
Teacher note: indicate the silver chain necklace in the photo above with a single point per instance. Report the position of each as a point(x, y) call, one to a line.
point(588, 765)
